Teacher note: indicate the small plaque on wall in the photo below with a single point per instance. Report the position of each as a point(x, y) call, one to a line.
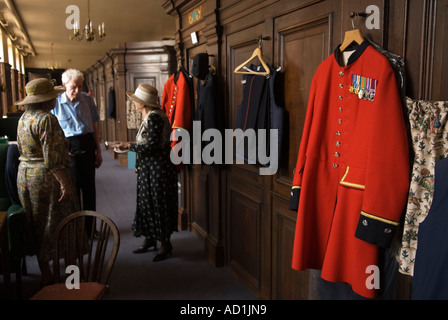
point(195, 15)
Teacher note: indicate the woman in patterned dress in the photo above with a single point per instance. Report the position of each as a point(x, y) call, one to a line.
point(156, 214)
point(44, 184)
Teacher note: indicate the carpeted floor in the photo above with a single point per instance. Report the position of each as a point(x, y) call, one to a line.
point(187, 275)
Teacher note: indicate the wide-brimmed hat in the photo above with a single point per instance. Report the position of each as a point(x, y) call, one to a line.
point(145, 94)
point(40, 90)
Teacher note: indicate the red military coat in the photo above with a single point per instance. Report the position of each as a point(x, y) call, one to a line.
point(352, 172)
point(176, 102)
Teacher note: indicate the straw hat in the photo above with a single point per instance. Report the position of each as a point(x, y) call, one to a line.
point(40, 90)
point(145, 94)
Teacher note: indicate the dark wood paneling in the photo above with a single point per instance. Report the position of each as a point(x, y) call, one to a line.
point(439, 90)
point(301, 47)
point(240, 46)
point(287, 283)
point(244, 241)
point(302, 40)
point(259, 228)
point(199, 208)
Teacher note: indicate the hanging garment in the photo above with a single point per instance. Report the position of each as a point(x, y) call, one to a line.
point(398, 64)
point(189, 80)
point(259, 110)
point(253, 112)
point(176, 102)
point(352, 172)
point(430, 144)
point(209, 111)
point(277, 113)
point(430, 270)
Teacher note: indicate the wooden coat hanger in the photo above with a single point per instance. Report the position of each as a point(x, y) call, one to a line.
point(256, 54)
point(354, 35)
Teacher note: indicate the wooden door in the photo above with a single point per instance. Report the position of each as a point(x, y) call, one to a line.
point(302, 40)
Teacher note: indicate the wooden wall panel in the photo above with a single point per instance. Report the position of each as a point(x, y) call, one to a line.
point(302, 40)
point(240, 46)
point(254, 218)
point(6, 92)
point(287, 283)
point(439, 88)
point(246, 206)
point(200, 207)
point(301, 47)
point(109, 82)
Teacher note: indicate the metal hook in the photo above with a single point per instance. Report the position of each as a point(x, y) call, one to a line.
point(260, 40)
point(357, 15)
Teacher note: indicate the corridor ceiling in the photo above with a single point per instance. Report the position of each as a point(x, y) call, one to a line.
point(35, 24)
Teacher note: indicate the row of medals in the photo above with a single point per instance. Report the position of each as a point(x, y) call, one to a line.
point(367, 94)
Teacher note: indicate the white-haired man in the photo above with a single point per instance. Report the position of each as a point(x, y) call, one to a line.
point(78, 117)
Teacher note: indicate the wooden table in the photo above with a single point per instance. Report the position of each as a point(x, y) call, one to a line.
point(5, 258)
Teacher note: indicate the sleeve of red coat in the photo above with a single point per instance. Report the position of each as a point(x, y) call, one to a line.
point(297, 179)
point(164, 98)
point(182, 112)
point(182, 116)
point(387, 168)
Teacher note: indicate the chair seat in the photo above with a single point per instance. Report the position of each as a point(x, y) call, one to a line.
point(59, 291)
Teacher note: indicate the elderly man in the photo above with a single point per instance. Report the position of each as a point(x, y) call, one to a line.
point(78, 117)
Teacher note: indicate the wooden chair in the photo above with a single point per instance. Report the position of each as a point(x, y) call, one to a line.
point(89, 256)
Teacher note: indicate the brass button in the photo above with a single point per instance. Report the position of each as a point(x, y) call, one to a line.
point(387, 230)
point(337, 155)
point(341, 73)
point(365, 223)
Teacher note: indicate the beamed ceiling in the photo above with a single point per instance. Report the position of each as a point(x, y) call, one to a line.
point(35, 24)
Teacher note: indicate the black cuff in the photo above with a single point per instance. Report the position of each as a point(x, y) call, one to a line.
point(294, 199)
point(375, 231)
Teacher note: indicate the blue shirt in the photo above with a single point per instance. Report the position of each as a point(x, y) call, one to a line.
point(76, 119)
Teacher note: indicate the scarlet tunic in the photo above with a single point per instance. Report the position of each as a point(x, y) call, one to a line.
point(176, 102)
point(352, 172)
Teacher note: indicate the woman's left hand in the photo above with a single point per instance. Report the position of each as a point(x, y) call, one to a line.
point(122, 145)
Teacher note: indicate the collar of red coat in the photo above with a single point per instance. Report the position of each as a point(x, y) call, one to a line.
point(359, 49)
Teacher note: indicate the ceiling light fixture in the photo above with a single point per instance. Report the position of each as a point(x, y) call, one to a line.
point(89, 33)
point(53, 65)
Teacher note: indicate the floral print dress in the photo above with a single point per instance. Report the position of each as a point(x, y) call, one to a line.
point(157, 202)
point(429, 130)
point(43, 150)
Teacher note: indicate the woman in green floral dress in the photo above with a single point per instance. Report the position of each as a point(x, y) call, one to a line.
point(44, 183)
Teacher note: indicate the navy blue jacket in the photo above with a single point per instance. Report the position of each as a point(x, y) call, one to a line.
point(431, 261)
